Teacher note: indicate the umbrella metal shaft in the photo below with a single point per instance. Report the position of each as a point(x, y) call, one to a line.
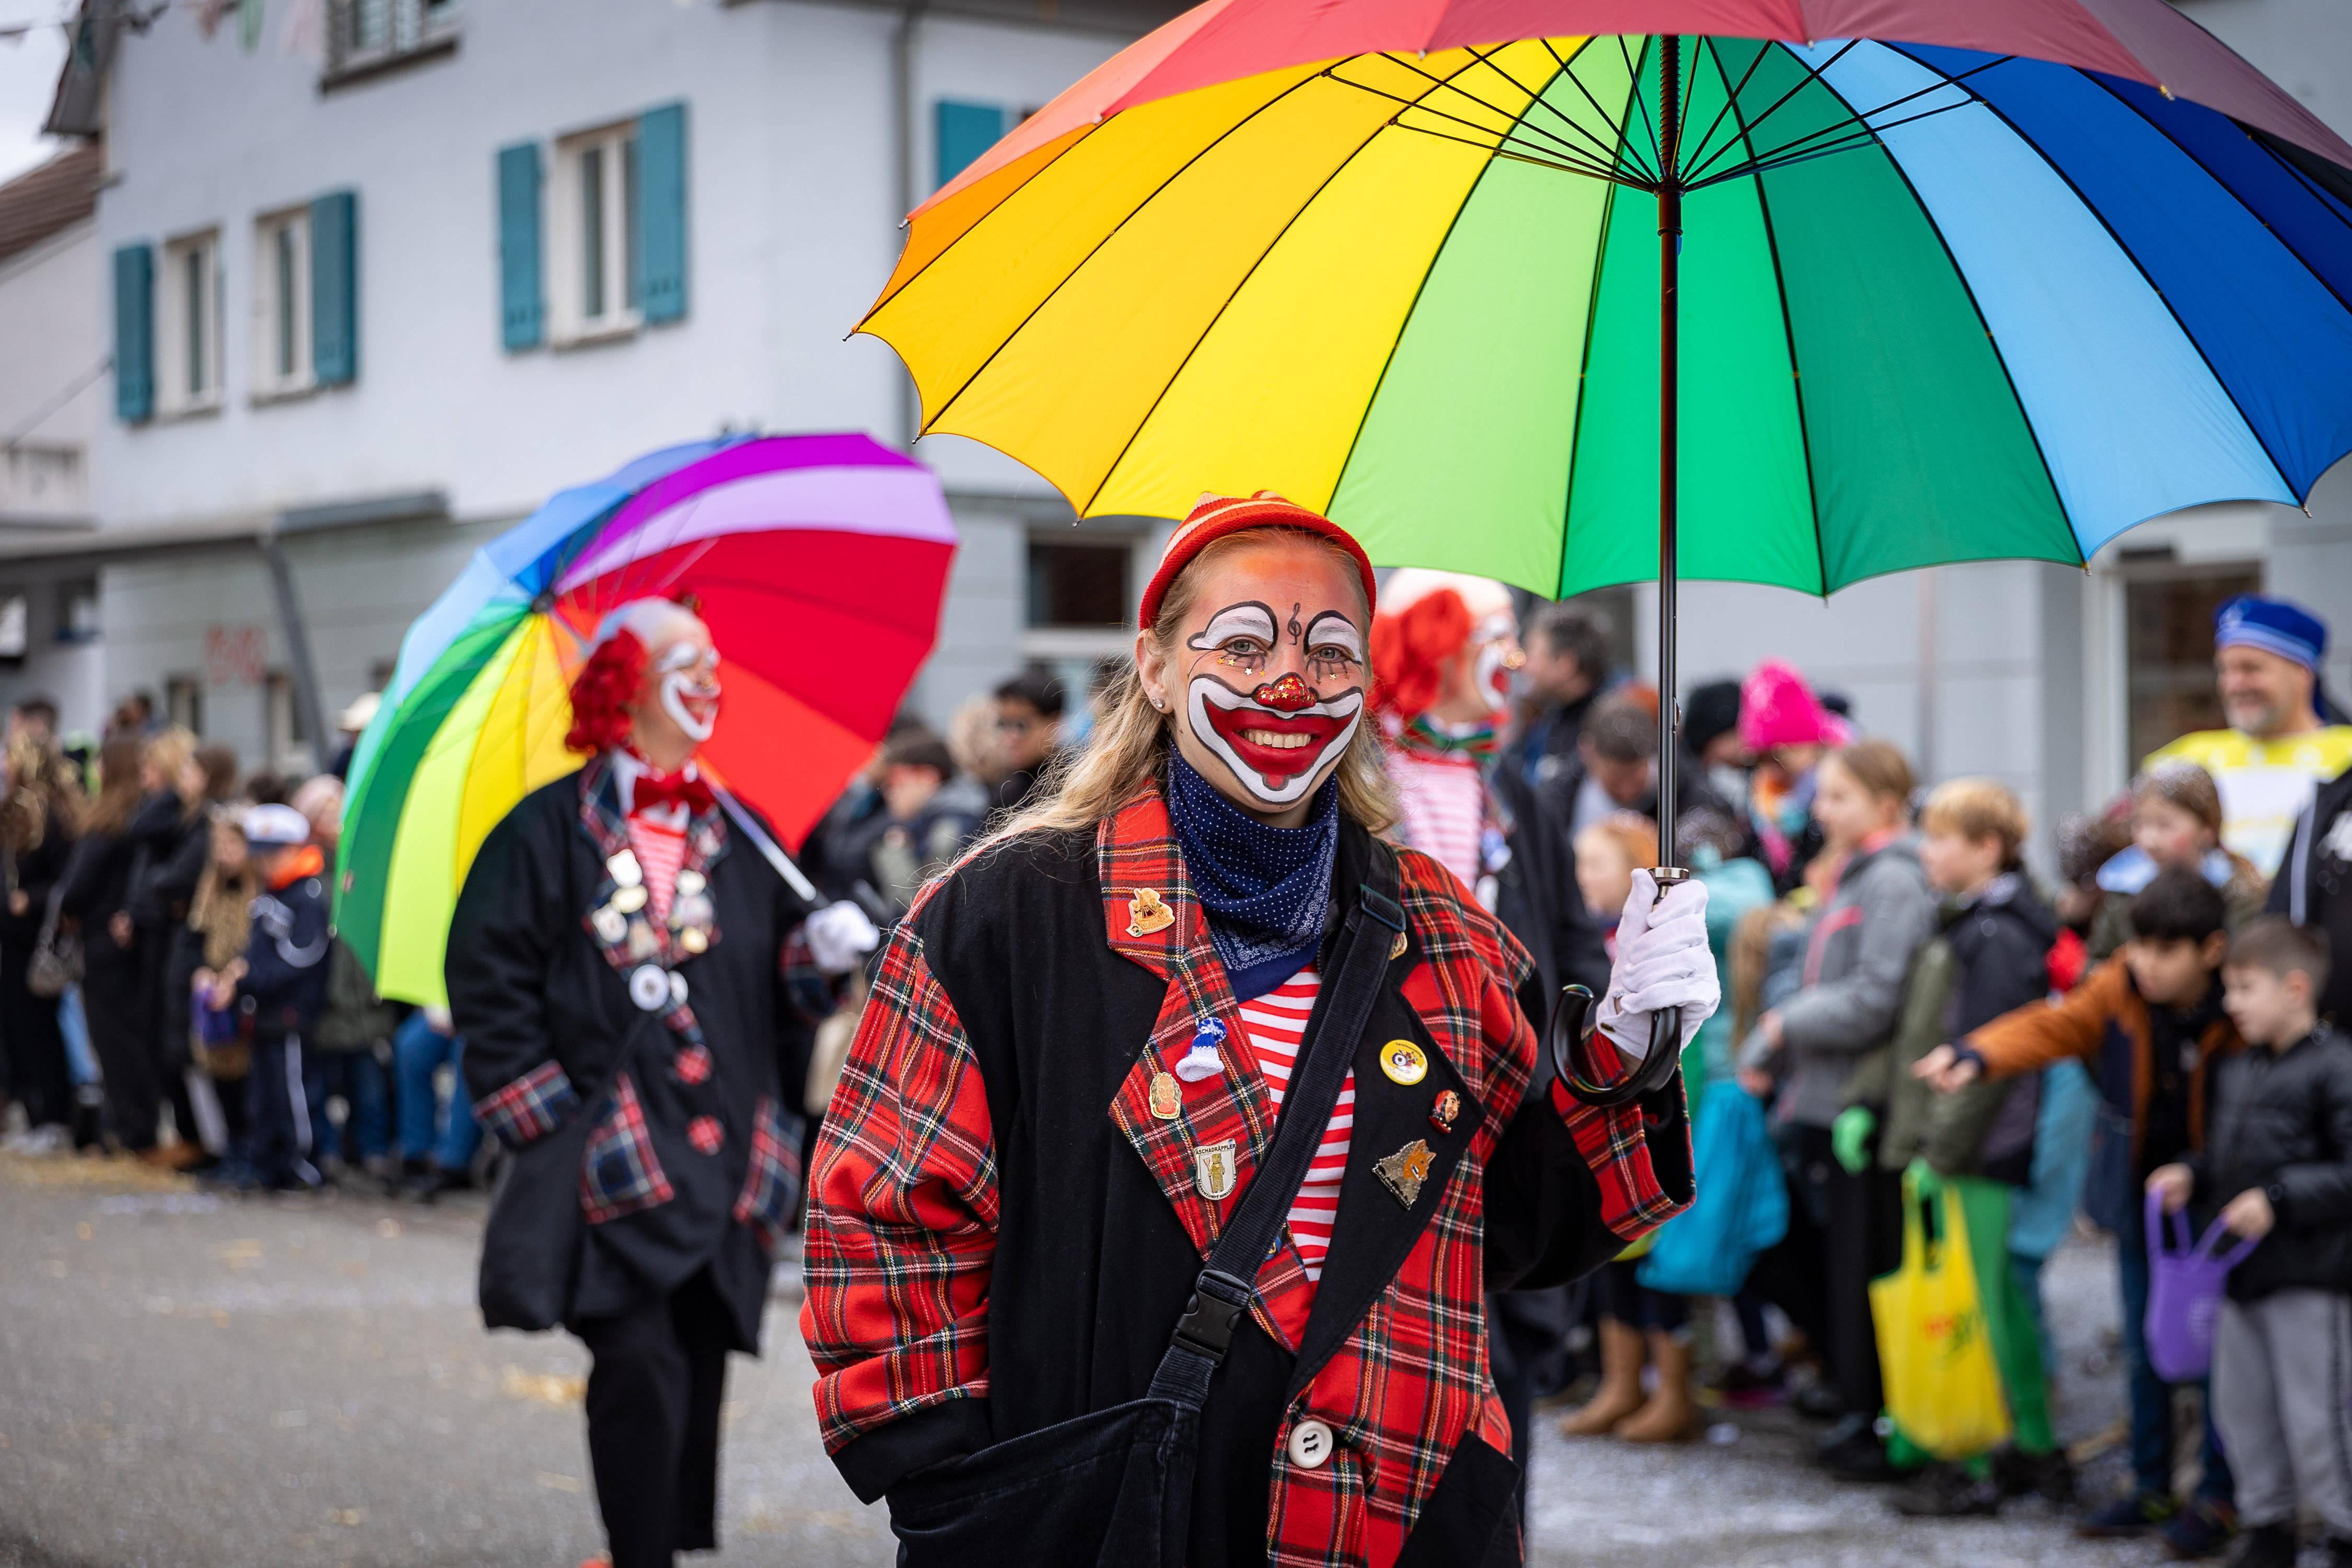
point(1670, 243)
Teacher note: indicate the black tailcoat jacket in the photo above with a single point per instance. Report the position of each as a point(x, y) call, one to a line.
point(640, 1084)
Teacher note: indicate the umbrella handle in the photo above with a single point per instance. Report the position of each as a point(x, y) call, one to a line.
point(1571, 1025)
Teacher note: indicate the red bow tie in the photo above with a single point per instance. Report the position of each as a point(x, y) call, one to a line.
point(656, 790)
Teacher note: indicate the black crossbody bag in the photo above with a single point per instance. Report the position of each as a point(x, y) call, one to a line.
point(1114, 1487)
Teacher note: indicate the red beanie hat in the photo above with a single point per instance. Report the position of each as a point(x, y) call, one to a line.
point(1217, 516)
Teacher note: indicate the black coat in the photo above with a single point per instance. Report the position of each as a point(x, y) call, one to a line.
point(2001, 952)
point(540, 1005)
point(1537, 895)
point(288, 959)
point(2283, 1121)
point(2314, 887)
point(35, 872)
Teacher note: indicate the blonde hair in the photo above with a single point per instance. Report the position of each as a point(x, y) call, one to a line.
point(1878, 766)
point(1975, 809)
point(1129, 748)
point(169, 752)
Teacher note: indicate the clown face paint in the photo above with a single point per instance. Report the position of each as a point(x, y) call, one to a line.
point(1498, 641)
point(689, 673)
point(1280, 736)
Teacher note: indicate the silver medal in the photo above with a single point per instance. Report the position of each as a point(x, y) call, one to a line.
point(650, 987)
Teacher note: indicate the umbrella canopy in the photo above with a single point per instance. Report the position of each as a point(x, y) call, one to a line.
point(818, 562)
point(2001, 285)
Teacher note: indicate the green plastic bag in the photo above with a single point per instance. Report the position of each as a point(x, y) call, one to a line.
point(1935, 1348)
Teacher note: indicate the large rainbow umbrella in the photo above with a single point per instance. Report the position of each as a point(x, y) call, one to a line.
point(1576, 292)
point(819, 562)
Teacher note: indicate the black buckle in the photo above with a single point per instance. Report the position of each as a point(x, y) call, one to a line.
point(1209, 1321)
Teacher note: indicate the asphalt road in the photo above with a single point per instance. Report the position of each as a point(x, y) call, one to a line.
point(190, 1381)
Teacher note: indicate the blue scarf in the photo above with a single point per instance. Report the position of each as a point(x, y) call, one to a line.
point(1266, 891)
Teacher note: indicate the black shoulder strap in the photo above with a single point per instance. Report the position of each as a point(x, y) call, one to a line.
point(1221, 1296)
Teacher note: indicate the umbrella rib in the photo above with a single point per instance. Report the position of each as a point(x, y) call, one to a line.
point(1512, 122)
point(1845, 143)
point(1960, 275)
point(2137, 266)
point(1619, 155)
point(1634, 74)
point(1861, 124)
point(1789, 334)
point(1560, 164)
point(1812, 75)
point(1135, 433)
point(1565, 158)
point(979, 369)
point(2234, 196)
point(1583, 380)
point(1731, 99)
point(1537, 100)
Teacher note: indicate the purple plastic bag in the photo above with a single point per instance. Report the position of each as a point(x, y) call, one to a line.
point(2184, 1293)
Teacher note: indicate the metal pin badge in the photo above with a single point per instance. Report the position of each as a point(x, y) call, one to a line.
point(611, 925)
point(1404, 1062)
point(1167, 1100)
point(676, 989)
point(1213, 1170)
point(629, 897)
point(650, 987)
point(622, 867)
point(1403, 1172)
point(1396, 948)
point(690, 883)
point(1146, 913)
point(693, 941)
point(1446, 1108)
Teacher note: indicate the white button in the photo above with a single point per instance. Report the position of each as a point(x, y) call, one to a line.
point(1310, 1444)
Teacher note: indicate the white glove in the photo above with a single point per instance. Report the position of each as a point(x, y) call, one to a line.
point(1662, 962)
point(839, 937)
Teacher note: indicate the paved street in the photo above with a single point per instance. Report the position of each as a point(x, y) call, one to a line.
point(189, 1381)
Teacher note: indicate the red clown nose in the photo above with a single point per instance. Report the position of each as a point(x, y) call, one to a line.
point(1287, 695)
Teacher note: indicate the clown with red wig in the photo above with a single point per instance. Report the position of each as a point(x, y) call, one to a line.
point(631, 964)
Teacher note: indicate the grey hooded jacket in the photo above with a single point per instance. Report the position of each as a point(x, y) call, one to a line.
point(1857, 955)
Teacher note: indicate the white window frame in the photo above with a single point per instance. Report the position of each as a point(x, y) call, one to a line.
point(176, 394)
point(270, 327)
point(611, 152)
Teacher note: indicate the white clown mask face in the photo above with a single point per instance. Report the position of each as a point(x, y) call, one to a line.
point(1268, 675)
point(677, 707)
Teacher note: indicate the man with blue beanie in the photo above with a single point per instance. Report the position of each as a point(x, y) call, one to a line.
point(2276, 751)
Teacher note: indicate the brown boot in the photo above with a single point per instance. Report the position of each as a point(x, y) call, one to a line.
point(1670, 1416)
point(1619, 1394)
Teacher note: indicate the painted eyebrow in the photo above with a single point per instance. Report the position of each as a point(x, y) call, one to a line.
point(1249, 618)
point(1341, 631)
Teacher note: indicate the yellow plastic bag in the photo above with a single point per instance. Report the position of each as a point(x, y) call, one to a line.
point(1935, 1352)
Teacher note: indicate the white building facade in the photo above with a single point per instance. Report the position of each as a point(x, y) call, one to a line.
point(367, 313)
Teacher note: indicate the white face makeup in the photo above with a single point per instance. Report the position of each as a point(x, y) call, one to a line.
point(688, 672)
point(1276, 697)
point(1498, 641)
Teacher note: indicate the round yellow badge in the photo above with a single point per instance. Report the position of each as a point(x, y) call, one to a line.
point(1404, 1062)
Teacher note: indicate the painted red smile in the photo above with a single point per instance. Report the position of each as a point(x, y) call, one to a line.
point(1275, 745)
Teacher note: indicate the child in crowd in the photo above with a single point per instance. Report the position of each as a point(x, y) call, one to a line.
point(2278, 1167)
point(2150, 1023)
point(1989, 959)
point(281, 980)
point(1785, 728)
point(1858, 955)
point(219, 925)
point(2176, 820)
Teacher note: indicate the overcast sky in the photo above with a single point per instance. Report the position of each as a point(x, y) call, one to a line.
point(28, 74)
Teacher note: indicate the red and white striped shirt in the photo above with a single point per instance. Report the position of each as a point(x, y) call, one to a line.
point(1276, 1023)
point(1442, 800)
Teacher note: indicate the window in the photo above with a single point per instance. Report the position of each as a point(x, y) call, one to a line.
point(78, 619)
point(595, 220)
point(1077, 584)
point(281, 304)
point(282, 727)
point(184, 702)
point(14, 618)
point(367, 35)
point(188, 338)
point(2169, 650)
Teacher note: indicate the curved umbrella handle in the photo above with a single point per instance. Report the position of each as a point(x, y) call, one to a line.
point(1570, 1026)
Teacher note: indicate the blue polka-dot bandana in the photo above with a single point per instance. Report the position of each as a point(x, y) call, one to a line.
point(1266, 891)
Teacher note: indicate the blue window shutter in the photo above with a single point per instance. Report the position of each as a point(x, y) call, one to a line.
point(335, 288)
point(134, 334)
point(660, 238)
point(965, 131)
point(520, 308)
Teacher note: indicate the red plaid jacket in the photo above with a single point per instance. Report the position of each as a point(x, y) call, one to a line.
point(1001, 1232)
